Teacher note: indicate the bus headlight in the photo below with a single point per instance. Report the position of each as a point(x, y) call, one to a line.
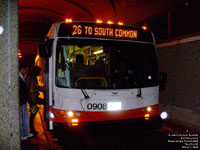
point(149, 109)
point(52, 115)
point(70, 114)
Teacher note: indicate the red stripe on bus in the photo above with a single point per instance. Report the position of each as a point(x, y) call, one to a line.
point(88, 116)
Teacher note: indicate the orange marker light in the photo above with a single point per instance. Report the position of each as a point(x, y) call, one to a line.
point(68, 20)
point(146, 116)
point(99, 21)
point(120, 23)
point(110, 22)
point(144, 27)
point(74, 122)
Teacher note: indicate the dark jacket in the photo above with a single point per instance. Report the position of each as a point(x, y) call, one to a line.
point(24, 91)
point(32, 83)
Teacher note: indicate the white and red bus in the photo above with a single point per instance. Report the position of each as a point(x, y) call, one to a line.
point(121, 82)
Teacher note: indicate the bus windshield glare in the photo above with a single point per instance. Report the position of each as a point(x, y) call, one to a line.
point(100, 64)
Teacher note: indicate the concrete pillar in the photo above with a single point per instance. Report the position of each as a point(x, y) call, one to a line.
point(9, 95)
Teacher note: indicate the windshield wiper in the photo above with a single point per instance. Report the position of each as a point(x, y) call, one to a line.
point(139, 93)
point(85, 93)
point(138, 83)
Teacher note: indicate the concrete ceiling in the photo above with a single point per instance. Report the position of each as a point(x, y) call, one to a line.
point(36, 16)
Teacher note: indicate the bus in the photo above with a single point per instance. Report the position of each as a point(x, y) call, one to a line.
point(117, 81)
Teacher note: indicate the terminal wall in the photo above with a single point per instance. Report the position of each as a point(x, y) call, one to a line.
point(180, 59)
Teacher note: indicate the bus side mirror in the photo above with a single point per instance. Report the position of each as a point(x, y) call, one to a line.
point(45, 49)
point(162, 80)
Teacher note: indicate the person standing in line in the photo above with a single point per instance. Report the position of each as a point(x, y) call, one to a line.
point(32, 83)
point(24, 97)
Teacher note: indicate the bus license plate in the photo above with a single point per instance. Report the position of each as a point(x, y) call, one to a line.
point(114, 106)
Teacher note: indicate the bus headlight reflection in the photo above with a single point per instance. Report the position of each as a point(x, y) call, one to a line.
point(164, 115)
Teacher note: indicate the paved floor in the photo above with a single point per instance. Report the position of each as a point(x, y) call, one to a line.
point(45, 141)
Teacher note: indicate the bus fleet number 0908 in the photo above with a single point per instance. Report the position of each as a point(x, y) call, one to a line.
point(95, 106)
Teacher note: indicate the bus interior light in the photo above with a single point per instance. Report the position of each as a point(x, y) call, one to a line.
point(68, 20)
point(98, 52)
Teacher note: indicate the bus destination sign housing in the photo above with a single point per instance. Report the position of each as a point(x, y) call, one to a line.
point(109, 31)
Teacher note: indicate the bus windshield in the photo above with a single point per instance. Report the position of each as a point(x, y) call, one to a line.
point(100, 64)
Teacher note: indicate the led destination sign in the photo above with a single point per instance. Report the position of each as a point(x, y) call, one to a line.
point(85, 30)
point(94, 30)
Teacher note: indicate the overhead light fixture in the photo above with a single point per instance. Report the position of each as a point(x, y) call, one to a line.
point(98, 52)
